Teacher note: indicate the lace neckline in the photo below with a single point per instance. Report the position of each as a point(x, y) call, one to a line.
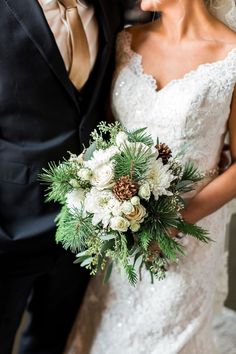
point(138, 58)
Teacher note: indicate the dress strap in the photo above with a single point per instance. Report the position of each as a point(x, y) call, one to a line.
point(123, 48)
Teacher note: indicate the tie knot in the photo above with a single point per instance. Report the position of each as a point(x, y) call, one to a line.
point(69, 4)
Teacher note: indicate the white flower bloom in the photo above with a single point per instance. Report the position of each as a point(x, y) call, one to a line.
point(135, 200)
point(97, 203)
point(101, 157)
point(84, 174)
point(119, 224)
point(135, 227)
point(138, 215)
point(121, 138)
point(115, 206)
point(160, 178)
point(75, 199)
point(144, 191)
point(103, 177)
point(116, 211)
point(127, 207)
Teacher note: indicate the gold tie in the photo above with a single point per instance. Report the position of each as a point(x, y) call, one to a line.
point(80, 61)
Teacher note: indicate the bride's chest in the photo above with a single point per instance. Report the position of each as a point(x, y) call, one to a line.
point(198, 102)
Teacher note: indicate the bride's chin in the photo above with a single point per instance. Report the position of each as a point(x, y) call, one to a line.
point(150, 5)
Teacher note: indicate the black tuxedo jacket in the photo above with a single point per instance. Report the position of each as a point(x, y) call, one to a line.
point(42, 116)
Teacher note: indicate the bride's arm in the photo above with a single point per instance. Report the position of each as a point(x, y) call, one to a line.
point(222, 189)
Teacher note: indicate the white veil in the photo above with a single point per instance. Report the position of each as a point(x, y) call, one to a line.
point(225, 11)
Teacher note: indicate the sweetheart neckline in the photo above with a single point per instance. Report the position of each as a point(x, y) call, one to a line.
point(153, 80)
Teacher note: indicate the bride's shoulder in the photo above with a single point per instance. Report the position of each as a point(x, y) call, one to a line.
point(226, 37)
point(134, 36)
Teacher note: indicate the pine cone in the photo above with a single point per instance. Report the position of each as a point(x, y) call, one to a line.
point(125, 188)
point(164, 152)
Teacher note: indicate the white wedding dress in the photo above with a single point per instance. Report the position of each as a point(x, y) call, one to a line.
point(174, 315)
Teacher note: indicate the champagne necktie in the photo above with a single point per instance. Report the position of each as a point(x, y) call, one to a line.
point(80, 56)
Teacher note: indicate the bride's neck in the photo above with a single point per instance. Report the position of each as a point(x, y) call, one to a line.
point(184, 19)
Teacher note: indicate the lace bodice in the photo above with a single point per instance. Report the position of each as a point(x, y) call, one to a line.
point(190, 114)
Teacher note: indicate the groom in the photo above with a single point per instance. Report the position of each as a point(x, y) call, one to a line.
point(56, 60)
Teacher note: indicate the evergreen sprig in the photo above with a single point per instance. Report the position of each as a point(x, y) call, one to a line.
point(140, 136)
point(133, 162)
point(105, 133)
point(57, 177)
point(74, 230)
point(194, 230)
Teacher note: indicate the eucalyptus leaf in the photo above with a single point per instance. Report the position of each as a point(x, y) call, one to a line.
point(89, 151)
point(107, 237)
point(86, 262)
point(108, 273)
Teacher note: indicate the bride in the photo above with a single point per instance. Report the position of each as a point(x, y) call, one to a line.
point(177, 76)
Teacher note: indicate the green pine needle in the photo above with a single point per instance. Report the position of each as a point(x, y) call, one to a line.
point(140, 136)
point(131, 274)
point(133, 162)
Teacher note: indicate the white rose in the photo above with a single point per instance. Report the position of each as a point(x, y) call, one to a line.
point(127, 207)
point(119, 224)
point(103, 177)
point(144, 191)
point(115, 206)
point(75, 198)
point(134, 227)
point(121, 138)
point(138, 215)
point(84, 174)
point(135, 200)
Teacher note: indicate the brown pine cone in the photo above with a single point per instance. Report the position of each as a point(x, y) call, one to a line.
point(164, 152)
point(125, 188)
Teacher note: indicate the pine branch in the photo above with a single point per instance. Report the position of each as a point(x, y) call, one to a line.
point(194, 230)
point(74, 231)
point(169, 246)
point(131, 274)
point(145, 238)
point(132, 162)
point(191, 173)
point(57, 177)
point(140, 136)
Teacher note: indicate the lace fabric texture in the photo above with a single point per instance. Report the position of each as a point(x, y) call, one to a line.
point(175, 315)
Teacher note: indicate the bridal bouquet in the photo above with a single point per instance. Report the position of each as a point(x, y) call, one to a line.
point(120, 200)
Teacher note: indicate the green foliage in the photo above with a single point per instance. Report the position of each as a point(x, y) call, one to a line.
point(131, 274)
point(140, 136)
point(169, 246)
point(134, 162)
point(108, 272)
point(194, 230)
point(58, 178)
point(144, 237)
point(191, 173)
point(105, 133)
point(73, 230)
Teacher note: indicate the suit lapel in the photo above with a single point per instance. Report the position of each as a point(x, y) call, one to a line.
point(30, 16)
